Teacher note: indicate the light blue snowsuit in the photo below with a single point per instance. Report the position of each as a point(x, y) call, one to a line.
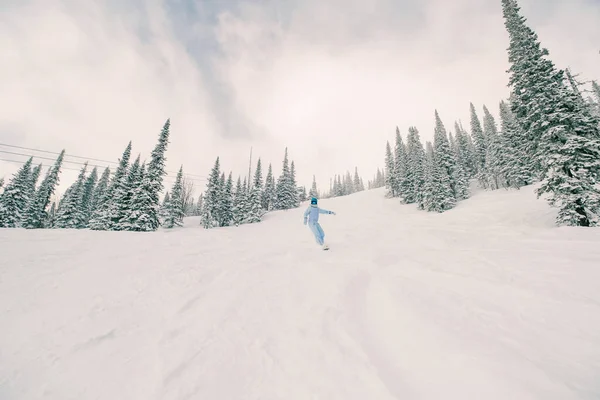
point(312, 215)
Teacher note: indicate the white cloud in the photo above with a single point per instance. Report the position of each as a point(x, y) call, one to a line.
point(330, 80)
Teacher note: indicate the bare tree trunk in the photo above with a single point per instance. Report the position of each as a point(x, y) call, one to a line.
point(188, 197)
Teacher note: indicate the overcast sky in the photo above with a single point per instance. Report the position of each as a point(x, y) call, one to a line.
point(331, 79)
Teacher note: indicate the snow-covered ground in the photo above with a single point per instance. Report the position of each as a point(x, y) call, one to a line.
point(487, 301)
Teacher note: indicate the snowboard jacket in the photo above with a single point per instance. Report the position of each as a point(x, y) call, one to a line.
point(312, 214)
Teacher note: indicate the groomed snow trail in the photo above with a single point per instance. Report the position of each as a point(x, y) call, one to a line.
point(488, 301)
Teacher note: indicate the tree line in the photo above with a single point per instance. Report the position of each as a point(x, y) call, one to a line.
point(549, 133)
point(126, 200)
point(223, 204)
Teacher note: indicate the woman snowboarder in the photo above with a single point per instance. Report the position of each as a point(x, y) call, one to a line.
point(312, 216)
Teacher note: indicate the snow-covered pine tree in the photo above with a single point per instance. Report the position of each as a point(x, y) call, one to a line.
point(254, 206)
point(154, 175)
point(69, 207)
point(514, 160)
point(302, 195)
point(99, 194)
point(227, 199)
point(441, 197)
point(428, 185)
point(239, 204)
point(122, 197)
point(175, 211)
point(357, 183)
point(400, 167)
point(314, 192)
point(295, 200)
point(445, 159)
point(258, 177)
point(564, 134)
point(464, 155)
point(138, 219)
point(50, 217)
point(285, 190)
point(480, 146)
point(415, 167)
point(494, 151)
point(36, 216)
point(390, 178)
point(35, 175)
point(269, 194)
point(87, 200)
point(15, 197)
point(210, 212)
point(1, 183)
point(596, 91)
point(101, 217)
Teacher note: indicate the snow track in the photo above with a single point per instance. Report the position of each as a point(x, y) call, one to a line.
point(488, 301)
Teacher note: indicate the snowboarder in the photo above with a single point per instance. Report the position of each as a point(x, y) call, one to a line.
point(311, 215)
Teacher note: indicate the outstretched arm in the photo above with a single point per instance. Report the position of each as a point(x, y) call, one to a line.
point(306, 215)
point(324, 211)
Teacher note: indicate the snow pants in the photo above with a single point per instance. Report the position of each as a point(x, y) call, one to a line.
point(318, 232)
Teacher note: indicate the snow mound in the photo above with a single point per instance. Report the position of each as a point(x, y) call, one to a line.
point(486, 301)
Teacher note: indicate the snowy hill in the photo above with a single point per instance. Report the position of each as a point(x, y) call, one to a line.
point(486, 301)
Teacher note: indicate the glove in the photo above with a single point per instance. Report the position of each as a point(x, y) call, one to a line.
point(332, 213)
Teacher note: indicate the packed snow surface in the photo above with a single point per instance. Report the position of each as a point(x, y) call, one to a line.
point(487, 301)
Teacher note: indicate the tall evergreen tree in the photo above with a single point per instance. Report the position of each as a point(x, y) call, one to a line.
point(227, 199)
point(596, 91)
point(69, 207)
point(441, 197)
point(464, 155)
point(400, 166)
point(295, 201)
point(480, 145)
point(210, 212)
point(1, 183)
point(313, 189)
point(254, 206)
point(99, 194)
point(239, 204)
point(154, 175)
point(87, 200)
point(175, 212)
point(286, 191)
point(101, 219)
point(35, 175)
point(565, 136)
point(15, 197)
point(258, 178)
point(36, 216)
point(138, 219)
point(269, 193)
point(445, 159)
point(415, 168)
point(390, 178)
point(516, 165)
point(494, 151)
point(124, 195)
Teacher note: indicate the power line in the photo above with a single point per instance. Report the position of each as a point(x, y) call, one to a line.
point(73, 156)
point(168, 177)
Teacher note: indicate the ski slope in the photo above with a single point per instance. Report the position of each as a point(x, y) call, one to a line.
point(487, 301)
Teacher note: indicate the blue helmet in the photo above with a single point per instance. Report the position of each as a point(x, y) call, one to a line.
point(313, 200)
